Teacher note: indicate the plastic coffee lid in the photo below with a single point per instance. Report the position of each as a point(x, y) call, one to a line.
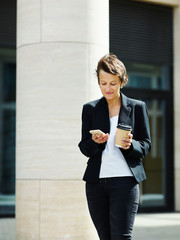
point(124, 127)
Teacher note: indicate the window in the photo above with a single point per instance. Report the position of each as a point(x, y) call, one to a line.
point(148, 76)
point(7, 130)
point(151, 83)
point(141, 36)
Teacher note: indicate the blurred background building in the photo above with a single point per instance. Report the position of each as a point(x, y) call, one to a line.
point(7, 106)
point(58, 46)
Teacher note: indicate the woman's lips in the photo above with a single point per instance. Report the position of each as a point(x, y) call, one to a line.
point(108, 93)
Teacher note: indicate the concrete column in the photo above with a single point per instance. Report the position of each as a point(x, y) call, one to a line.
point(58, 46)
point(177, 105)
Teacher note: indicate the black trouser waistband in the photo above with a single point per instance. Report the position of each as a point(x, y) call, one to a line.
point(111, 179)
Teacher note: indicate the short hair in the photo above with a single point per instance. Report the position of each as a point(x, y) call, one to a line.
point(111, 64)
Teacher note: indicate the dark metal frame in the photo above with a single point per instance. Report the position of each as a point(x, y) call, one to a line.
point(7, 211)
point(144, 94)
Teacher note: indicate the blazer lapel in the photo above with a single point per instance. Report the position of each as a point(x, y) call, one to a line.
point(124, 111)
point(101, 115)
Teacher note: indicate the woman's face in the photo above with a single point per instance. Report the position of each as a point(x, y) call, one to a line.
point(109, 84)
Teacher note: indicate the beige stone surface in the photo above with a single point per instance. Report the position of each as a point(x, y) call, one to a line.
point(75, 21)
point(177, 163)
point(95, 53)
point(64, 213)
point(28, 22)
point(177, 139)
point(50, 95)
point(177, 191)
point(55, 210)
point(59, 44)
point(27, 210)
point(177, 105)
point(176, 61)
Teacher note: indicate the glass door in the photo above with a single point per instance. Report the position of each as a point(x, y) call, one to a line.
point(154, 191)
point(7, 131)
point(152, 84)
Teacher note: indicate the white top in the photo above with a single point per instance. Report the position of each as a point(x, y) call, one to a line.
point(113, 163)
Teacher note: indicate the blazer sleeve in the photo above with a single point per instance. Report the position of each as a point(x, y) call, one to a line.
point(141, 142)
point(87, 146)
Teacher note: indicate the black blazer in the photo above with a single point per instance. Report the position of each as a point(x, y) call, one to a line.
point(95, 115)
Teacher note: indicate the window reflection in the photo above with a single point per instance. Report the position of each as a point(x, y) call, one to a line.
point(153, 189)
point(153, 77)
point(9, 82)
point(147, 76)
point(7, 128)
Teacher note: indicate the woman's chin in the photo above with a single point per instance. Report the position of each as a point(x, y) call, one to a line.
point(109, 97)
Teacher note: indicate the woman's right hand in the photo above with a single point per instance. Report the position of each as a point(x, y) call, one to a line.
point(100, 138)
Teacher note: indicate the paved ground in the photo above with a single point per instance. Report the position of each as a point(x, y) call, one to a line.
point(164, 226)
point(7, 229)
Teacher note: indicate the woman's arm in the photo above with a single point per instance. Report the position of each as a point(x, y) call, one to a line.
point(141, 142)
point(87, 146)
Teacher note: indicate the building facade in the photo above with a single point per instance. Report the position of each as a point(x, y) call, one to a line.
point(58, 46)
point(7, 106)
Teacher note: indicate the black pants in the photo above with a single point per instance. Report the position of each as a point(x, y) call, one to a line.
point(113, 204)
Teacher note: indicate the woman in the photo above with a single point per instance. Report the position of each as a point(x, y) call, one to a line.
point(113, 174)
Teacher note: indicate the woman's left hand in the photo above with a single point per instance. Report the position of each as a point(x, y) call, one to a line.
point(127, 142)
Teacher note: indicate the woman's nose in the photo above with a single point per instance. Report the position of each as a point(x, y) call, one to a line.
point(108, 87)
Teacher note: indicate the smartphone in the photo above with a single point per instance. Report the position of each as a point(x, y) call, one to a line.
point(96, 131)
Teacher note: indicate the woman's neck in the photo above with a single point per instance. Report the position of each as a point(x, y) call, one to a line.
point(114, 106)
point(114, 102)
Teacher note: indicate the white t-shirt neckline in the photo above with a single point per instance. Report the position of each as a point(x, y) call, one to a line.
point(113, 163)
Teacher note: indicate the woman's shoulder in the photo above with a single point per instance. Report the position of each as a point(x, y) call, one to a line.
point(94, 103)
point(138, 105)
point(135, 102)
